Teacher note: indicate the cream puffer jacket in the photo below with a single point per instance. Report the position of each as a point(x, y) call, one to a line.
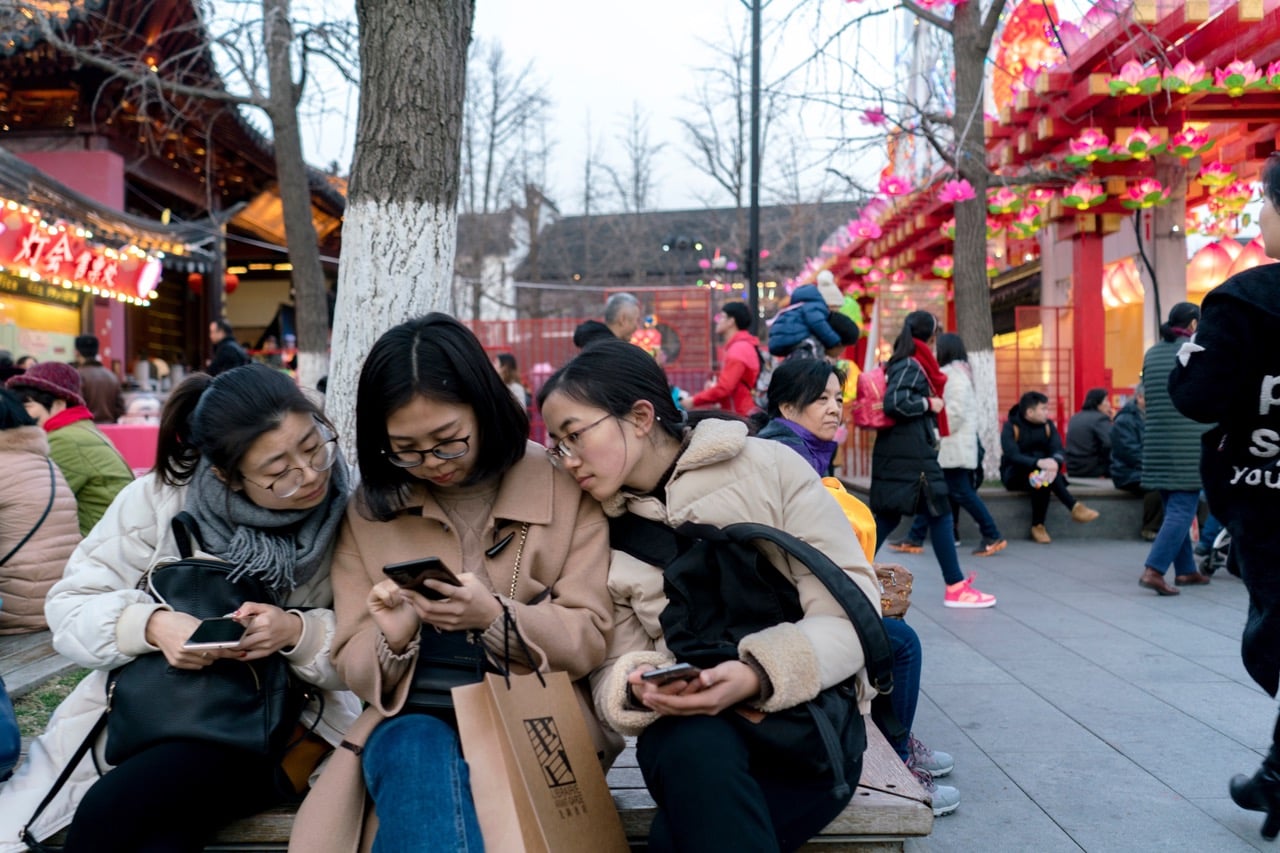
point(723, 477)
point(24, 494)
point(960, 448)
point(99, 617)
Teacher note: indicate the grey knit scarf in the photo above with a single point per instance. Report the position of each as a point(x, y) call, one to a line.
point(283, 548)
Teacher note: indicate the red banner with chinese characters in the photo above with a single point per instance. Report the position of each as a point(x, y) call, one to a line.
point(63, 254)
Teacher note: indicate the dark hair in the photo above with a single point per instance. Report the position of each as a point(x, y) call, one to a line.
point(740, 313)
point(87, 346)
point(220, 418)
point(845, 328)
point(44, 398)
point(6, 358)
point(919, 326)
point(614, 375)
point(11, 412)
point(1180, 317)
point(226, 329)
point(1270, 178)
point(1093, 398)
point(950, 348)
point(438, 358)
point(1030, 400)
point(798, 382)
point(507, 367)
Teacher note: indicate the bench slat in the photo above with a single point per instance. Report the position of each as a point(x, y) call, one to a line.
point(28, 660)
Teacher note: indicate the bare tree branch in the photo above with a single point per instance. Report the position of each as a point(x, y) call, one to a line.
point(925, 15)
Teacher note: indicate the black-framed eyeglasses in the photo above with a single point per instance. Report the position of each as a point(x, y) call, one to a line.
point(287, 484)
point(569, 446)
point(454, 448)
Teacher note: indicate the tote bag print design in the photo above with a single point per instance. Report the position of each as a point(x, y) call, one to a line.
point(535, 778)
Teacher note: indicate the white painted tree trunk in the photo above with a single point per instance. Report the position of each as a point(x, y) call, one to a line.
point(983, 366)
point(397, 263)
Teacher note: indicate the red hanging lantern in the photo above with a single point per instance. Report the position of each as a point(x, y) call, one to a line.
point(195, 283)
point(230, 282)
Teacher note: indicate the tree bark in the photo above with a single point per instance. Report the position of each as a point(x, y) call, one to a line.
point(310, 298)
point(400, 230)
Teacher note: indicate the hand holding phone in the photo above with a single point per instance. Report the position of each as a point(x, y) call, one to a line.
point(667, 674)
point(220, 633)
point(411, 573)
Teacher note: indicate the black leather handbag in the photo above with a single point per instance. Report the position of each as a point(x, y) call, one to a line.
point(249, 705)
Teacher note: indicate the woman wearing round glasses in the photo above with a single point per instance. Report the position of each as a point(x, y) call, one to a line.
point(446, 472)
point(256, 465)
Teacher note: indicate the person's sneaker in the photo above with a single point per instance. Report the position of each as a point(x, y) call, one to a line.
point(938, 763)
point(963, 594)
point(945, 798)
point(1039, 534)
point(989, 547)
point(1082, 513)
point(1150, 535)
point(906, 546)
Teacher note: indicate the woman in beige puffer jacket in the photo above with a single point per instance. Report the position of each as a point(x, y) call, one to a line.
point(29, 479)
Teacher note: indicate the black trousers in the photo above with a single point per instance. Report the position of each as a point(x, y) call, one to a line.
point(1017, 482)
point(171, 798)
point(711, 797)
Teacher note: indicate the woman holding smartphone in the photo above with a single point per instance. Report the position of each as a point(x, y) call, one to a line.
point(256, 465)
point(446, 472)
point(614, 428)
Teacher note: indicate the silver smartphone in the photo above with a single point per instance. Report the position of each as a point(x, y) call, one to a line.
point(221, 633)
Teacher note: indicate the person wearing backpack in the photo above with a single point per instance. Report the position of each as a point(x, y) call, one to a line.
point(1031, 454)
point(906, 478)
point(740, 363)
point(612, 425)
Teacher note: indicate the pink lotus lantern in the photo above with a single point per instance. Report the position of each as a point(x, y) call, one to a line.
point(898, 277)
point(1141, 143)
point(944, 266)
point(860, 265)
point(1236, 194)
point(875, 276)
point(1083, 195)
point(1252, 256)
point(894, 185)
point(993, 268)
point(995, 227)
point(874, 116)
point(1003, 201)
point(864, 229)
point(1273, 74)
point(1039, 194)
point(1090, 145)
point(1135, 79)
point(1186, 77)
point(1028, 221)
point(1236, 78)
point(954, 191)
point(1189, 142)
point(948, 228)
point(1216, 174)
point(1208, 268)
point(1146, 193)
point(1231, 246)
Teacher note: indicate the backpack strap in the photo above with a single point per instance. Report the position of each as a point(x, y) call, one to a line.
point(85, 745)
point(186, 533)
point(53, 491)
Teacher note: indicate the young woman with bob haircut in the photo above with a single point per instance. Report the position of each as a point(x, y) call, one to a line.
point(613, 426)
point(257, 466)
point(446, 471)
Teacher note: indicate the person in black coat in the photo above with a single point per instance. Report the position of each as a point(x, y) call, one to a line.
point(905, 476)
point(1228, 372)
point(1127, 433)
point(1030, 445)
point(226, 352)
point(1089, 436)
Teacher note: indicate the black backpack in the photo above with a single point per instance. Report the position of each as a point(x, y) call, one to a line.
point(720, 588)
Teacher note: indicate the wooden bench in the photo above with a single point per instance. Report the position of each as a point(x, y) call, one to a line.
point(888, 808)
point(28, 660)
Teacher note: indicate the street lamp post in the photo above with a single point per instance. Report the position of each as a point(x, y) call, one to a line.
point(753, 226)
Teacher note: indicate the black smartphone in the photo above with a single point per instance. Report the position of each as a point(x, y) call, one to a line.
point(668, 674)
point(221, 633)
point(411, 573)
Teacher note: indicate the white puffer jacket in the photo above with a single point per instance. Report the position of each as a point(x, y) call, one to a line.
point(99, 617)
point(960, 448)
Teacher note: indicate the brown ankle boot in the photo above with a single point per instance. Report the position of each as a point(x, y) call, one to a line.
point(1039, 534)
point(1082, 513)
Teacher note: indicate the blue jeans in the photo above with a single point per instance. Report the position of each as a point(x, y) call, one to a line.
point(960, 490)
point(907, 661)
point(420, 786)
point(1173, 543)
point(10, 742)
point(940, 534)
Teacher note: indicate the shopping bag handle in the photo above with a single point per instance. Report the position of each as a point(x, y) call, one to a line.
point(508, 628)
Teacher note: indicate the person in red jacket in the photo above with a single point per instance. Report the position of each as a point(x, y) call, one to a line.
point(739, 363)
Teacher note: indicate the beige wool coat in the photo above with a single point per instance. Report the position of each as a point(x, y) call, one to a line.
point(24, 494)
point(561, 608)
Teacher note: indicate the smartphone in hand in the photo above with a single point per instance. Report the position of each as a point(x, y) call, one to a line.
point(667, 674)
point(221, 633)
point(411, 574)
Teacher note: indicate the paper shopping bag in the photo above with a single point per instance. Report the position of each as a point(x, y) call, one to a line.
point(537, 784)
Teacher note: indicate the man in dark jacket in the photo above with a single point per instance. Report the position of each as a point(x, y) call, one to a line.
point(1089, 436)
point(98, 385)
point(1031, 456)
point(226, 352)
point(621, 319)
point(1127, 432)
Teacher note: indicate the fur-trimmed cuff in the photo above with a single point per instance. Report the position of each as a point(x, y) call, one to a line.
point(788, 658)
point(619, 712)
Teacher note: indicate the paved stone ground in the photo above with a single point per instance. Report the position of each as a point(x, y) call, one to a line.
point(1085, 712)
